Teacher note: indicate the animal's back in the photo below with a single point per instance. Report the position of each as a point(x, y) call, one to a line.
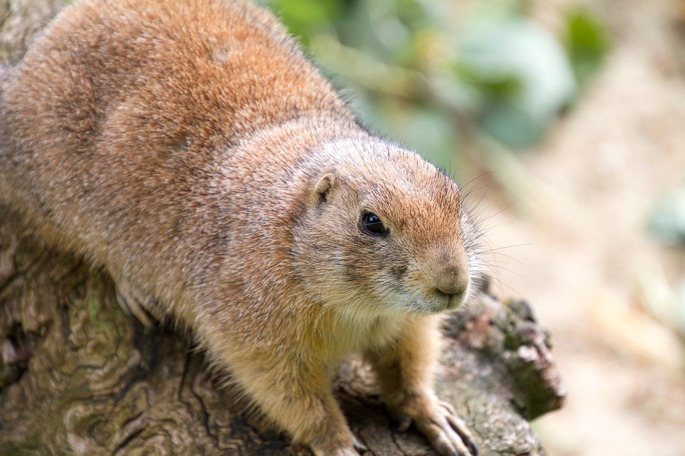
point(119, 112)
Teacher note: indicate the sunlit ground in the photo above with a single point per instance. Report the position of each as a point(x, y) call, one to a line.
point(581, 252)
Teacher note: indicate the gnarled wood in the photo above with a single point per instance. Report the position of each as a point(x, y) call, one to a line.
point(80, 376)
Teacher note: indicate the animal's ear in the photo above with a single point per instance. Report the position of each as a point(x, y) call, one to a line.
point(324, 187)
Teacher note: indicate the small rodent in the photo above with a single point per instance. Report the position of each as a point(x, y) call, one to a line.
point(192, 150)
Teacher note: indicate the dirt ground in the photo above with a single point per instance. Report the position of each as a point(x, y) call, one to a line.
point(573, 240)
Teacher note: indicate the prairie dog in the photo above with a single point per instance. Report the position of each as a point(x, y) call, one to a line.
point(193, 151)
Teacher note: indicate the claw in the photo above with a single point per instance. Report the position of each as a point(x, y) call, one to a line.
point(460, 427)
point(336, 452)
point(135, 303)
point(404, 423)
point(359, 445)
point(336, 447)
point(459, 433)
point(441, 425)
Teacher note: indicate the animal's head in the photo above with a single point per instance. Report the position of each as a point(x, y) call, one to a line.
point(383, 232)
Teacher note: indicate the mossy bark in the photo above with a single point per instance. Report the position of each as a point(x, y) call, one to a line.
point(79, 376)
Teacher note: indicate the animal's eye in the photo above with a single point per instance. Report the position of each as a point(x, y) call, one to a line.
point(372, 225)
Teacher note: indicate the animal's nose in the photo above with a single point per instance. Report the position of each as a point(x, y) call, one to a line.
point(450, 281)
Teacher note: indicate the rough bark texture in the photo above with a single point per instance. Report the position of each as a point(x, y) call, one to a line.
point(79, 376)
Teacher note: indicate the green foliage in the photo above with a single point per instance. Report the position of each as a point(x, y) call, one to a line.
point(306, 17)
point(426, 76)
point(667, 222)
point(521, 73)
point(586, 42)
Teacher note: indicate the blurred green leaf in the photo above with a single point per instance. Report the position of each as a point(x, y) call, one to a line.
point(302, 17)
point(498, 67)
point(667, 221)
point(429, 132)
point(497, 84)
point(586, 42)
point(522, 73)
point(421, 127)
point(511, 125)
point(680, 306)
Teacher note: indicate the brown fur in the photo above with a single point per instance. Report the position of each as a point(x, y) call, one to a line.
point(191, 149)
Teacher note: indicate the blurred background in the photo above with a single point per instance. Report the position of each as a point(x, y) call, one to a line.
point(564, 120)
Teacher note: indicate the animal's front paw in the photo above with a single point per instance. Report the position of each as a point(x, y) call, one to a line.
point(441, 425)
point(356, 449)
point(337, 452)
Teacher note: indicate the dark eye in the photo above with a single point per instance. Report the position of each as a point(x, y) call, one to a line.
point(371, 224)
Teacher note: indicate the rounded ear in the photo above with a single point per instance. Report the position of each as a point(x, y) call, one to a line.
point(323, 188)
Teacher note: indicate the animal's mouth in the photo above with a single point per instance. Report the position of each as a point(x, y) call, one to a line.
point(454, 301)
point(451, 300)
point(439, 303)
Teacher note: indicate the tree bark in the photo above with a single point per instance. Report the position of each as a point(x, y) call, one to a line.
point(79, 376)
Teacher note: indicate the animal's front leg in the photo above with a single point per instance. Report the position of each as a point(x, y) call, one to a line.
point(405, 372)
point(297, 397)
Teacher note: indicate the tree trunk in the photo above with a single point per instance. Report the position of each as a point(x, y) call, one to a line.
point(78, 376)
